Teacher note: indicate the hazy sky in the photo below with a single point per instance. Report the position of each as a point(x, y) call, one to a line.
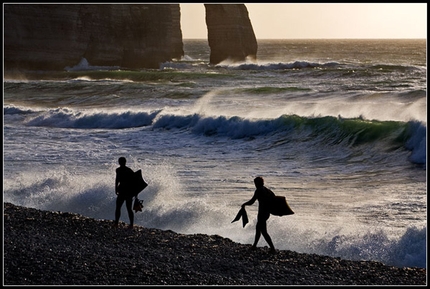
point(314, 20)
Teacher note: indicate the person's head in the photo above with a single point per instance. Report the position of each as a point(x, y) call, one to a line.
point(259, 182)
point(122, 161)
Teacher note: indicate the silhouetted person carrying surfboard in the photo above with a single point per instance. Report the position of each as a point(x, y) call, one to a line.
point(124, 191)
point(265, 199)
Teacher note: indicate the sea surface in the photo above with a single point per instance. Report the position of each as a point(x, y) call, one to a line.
point(338, 127)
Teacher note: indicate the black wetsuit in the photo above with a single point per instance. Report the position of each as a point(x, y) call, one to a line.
point(264, 197)
point(123, 182)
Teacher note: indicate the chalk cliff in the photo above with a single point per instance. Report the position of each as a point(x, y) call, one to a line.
point(53, 36)
point(133, 36)
point(230, 33)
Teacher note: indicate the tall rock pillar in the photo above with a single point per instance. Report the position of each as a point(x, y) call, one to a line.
point(230, 33)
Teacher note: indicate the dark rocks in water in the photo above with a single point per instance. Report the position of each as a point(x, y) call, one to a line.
point(230, 33)
point(55, 36)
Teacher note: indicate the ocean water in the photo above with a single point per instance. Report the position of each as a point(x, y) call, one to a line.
point(338, 127)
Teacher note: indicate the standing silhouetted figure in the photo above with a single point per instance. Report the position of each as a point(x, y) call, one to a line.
point(264, 196)
point(123, 182)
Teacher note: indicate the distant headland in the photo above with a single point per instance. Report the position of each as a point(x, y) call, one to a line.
point(130, 36)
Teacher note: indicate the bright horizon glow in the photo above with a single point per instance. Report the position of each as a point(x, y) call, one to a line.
point(321, 21)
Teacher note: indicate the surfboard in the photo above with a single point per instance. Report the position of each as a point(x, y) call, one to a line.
point(138, 183)
point(280, 207)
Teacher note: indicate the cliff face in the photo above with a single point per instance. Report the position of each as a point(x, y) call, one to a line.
point(55, 36)
point(51, 37)
point(230, 33)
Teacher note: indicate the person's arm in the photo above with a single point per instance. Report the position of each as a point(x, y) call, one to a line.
point(251, 201)
point(116, 183)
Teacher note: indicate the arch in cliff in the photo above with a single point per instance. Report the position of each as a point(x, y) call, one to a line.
point(56, 36)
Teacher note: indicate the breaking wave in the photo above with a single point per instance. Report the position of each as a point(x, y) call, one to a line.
point(327, 130)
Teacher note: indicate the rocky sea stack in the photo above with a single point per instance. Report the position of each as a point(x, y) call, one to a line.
point(124, 36)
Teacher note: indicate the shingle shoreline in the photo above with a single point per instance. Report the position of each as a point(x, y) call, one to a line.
point(59, 248)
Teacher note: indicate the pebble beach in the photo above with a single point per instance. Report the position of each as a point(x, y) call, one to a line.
point(60, 248)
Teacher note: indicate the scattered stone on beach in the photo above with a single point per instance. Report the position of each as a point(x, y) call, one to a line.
point(58, 248)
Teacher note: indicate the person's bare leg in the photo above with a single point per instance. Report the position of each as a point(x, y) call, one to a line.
point(262, 223)
point(119, 202)
point(257, 236)
point(129, 204)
